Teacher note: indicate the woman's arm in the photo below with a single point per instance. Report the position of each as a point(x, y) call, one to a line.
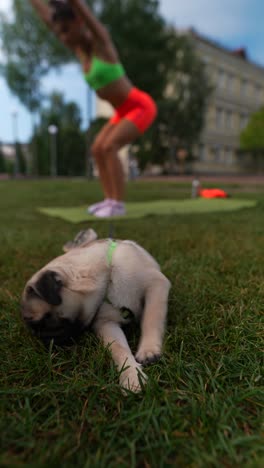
point(98, 29)
point(43, 11)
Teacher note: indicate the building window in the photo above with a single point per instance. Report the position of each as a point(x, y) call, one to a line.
point(231, 83)
point(259, 94)
point(219, 117)
point(256, 92)
point(206, 59)
point(236, 84)
point(231, 120)
point(229, 156)
point(243, 120)
point(249, 90)
point(202, 152)
point(211, 116)
point(245, 86)
point(221, 78)
point(216, 153)
point(228, 122)
point(236, 121)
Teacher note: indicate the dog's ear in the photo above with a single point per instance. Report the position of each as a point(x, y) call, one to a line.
point(49, 287)
point(82, 239)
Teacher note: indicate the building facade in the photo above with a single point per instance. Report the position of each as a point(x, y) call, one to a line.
point(238, 91)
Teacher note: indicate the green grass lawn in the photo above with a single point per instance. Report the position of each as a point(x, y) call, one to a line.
point(203, 402)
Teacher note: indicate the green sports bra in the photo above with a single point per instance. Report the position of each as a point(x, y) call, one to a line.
point(103, 73)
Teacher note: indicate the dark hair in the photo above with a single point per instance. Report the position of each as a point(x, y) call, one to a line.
point(61, 10)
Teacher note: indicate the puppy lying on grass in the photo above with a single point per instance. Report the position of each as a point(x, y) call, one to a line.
point(101, 284)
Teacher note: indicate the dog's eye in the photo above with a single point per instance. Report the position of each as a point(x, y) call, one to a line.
point(31, 291)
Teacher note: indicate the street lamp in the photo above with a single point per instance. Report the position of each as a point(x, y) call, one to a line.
point(14, 115)
point(53, 130)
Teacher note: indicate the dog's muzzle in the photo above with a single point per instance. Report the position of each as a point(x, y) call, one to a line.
point(63, 332)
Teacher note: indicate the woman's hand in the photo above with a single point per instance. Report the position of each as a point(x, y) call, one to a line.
point(43, 11)
point(98, 30)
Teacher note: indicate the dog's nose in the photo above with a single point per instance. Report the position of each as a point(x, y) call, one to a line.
point(30, 322)
point(28, 319)
point(27, 316)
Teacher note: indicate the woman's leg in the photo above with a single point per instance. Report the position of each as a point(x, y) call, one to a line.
point(121, 135)
point(97, 154)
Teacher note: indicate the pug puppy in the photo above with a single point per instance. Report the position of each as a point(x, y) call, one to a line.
point(101, 285)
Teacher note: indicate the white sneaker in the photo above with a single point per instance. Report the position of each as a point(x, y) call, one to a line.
point(96, 206)
point(114, 208)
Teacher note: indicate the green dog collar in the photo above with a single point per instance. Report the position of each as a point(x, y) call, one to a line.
point(111, 248)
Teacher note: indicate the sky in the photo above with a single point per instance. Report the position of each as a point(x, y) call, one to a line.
point(232, 23)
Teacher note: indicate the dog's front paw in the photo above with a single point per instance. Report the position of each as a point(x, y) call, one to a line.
point(148, 354)
point(133, 379)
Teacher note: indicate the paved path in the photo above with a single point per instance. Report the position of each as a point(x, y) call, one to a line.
point(232, 179)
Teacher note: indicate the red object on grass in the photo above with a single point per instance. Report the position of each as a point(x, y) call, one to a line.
point(213, 193)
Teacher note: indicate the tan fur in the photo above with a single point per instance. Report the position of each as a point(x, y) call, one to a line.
point(133, 280)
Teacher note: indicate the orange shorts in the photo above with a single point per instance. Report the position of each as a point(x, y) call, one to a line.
point(139, 108)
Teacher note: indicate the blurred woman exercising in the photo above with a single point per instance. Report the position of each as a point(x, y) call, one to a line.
point(76, 26)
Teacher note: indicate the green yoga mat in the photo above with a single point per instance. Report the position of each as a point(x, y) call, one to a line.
point(159, 207)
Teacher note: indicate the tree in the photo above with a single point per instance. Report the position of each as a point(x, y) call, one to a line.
point(251, 153)
point(2, 161)
point(70, 138)
point(252, 137)
point(29, 53)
